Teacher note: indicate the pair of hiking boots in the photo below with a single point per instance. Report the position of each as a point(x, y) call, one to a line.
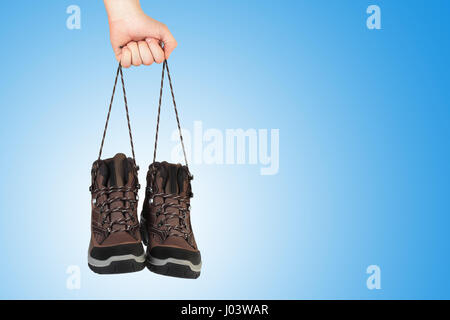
point(165, 226)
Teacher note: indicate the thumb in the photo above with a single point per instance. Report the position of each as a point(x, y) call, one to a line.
point(169, 41)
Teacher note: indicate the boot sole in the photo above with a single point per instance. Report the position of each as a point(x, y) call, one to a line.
point(173, 267)
point(117, 264)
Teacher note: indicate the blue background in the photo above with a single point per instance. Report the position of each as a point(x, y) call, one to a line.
point(364, 130)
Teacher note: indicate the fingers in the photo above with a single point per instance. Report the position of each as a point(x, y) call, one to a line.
point(135, 56)
point(155, 48)
point(125, 59)
point(137, 53)
point(169, 41)
point(145, 53)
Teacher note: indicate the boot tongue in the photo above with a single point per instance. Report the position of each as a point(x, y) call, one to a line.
point(117, 179)
point(175, 179)
point(172, 179)
point(176, 182)
point(117, 171)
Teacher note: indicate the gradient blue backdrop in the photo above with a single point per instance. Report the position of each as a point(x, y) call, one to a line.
point(364, 130)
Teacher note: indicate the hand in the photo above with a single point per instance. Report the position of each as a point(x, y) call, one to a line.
point(135, 37)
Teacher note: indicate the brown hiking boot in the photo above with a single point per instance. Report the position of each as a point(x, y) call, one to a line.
point(115, 245)
point(165, 222)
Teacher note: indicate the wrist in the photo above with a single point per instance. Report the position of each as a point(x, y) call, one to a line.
point(122, 9)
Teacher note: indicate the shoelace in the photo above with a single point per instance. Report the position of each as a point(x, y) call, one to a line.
point(177, 203)
point(106, 210)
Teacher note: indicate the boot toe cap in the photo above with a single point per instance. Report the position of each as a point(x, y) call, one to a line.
point(165, 252)
point(105, 252)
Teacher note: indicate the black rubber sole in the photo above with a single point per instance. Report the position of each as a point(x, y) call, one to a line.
point(124, 266)
point(173, 270)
